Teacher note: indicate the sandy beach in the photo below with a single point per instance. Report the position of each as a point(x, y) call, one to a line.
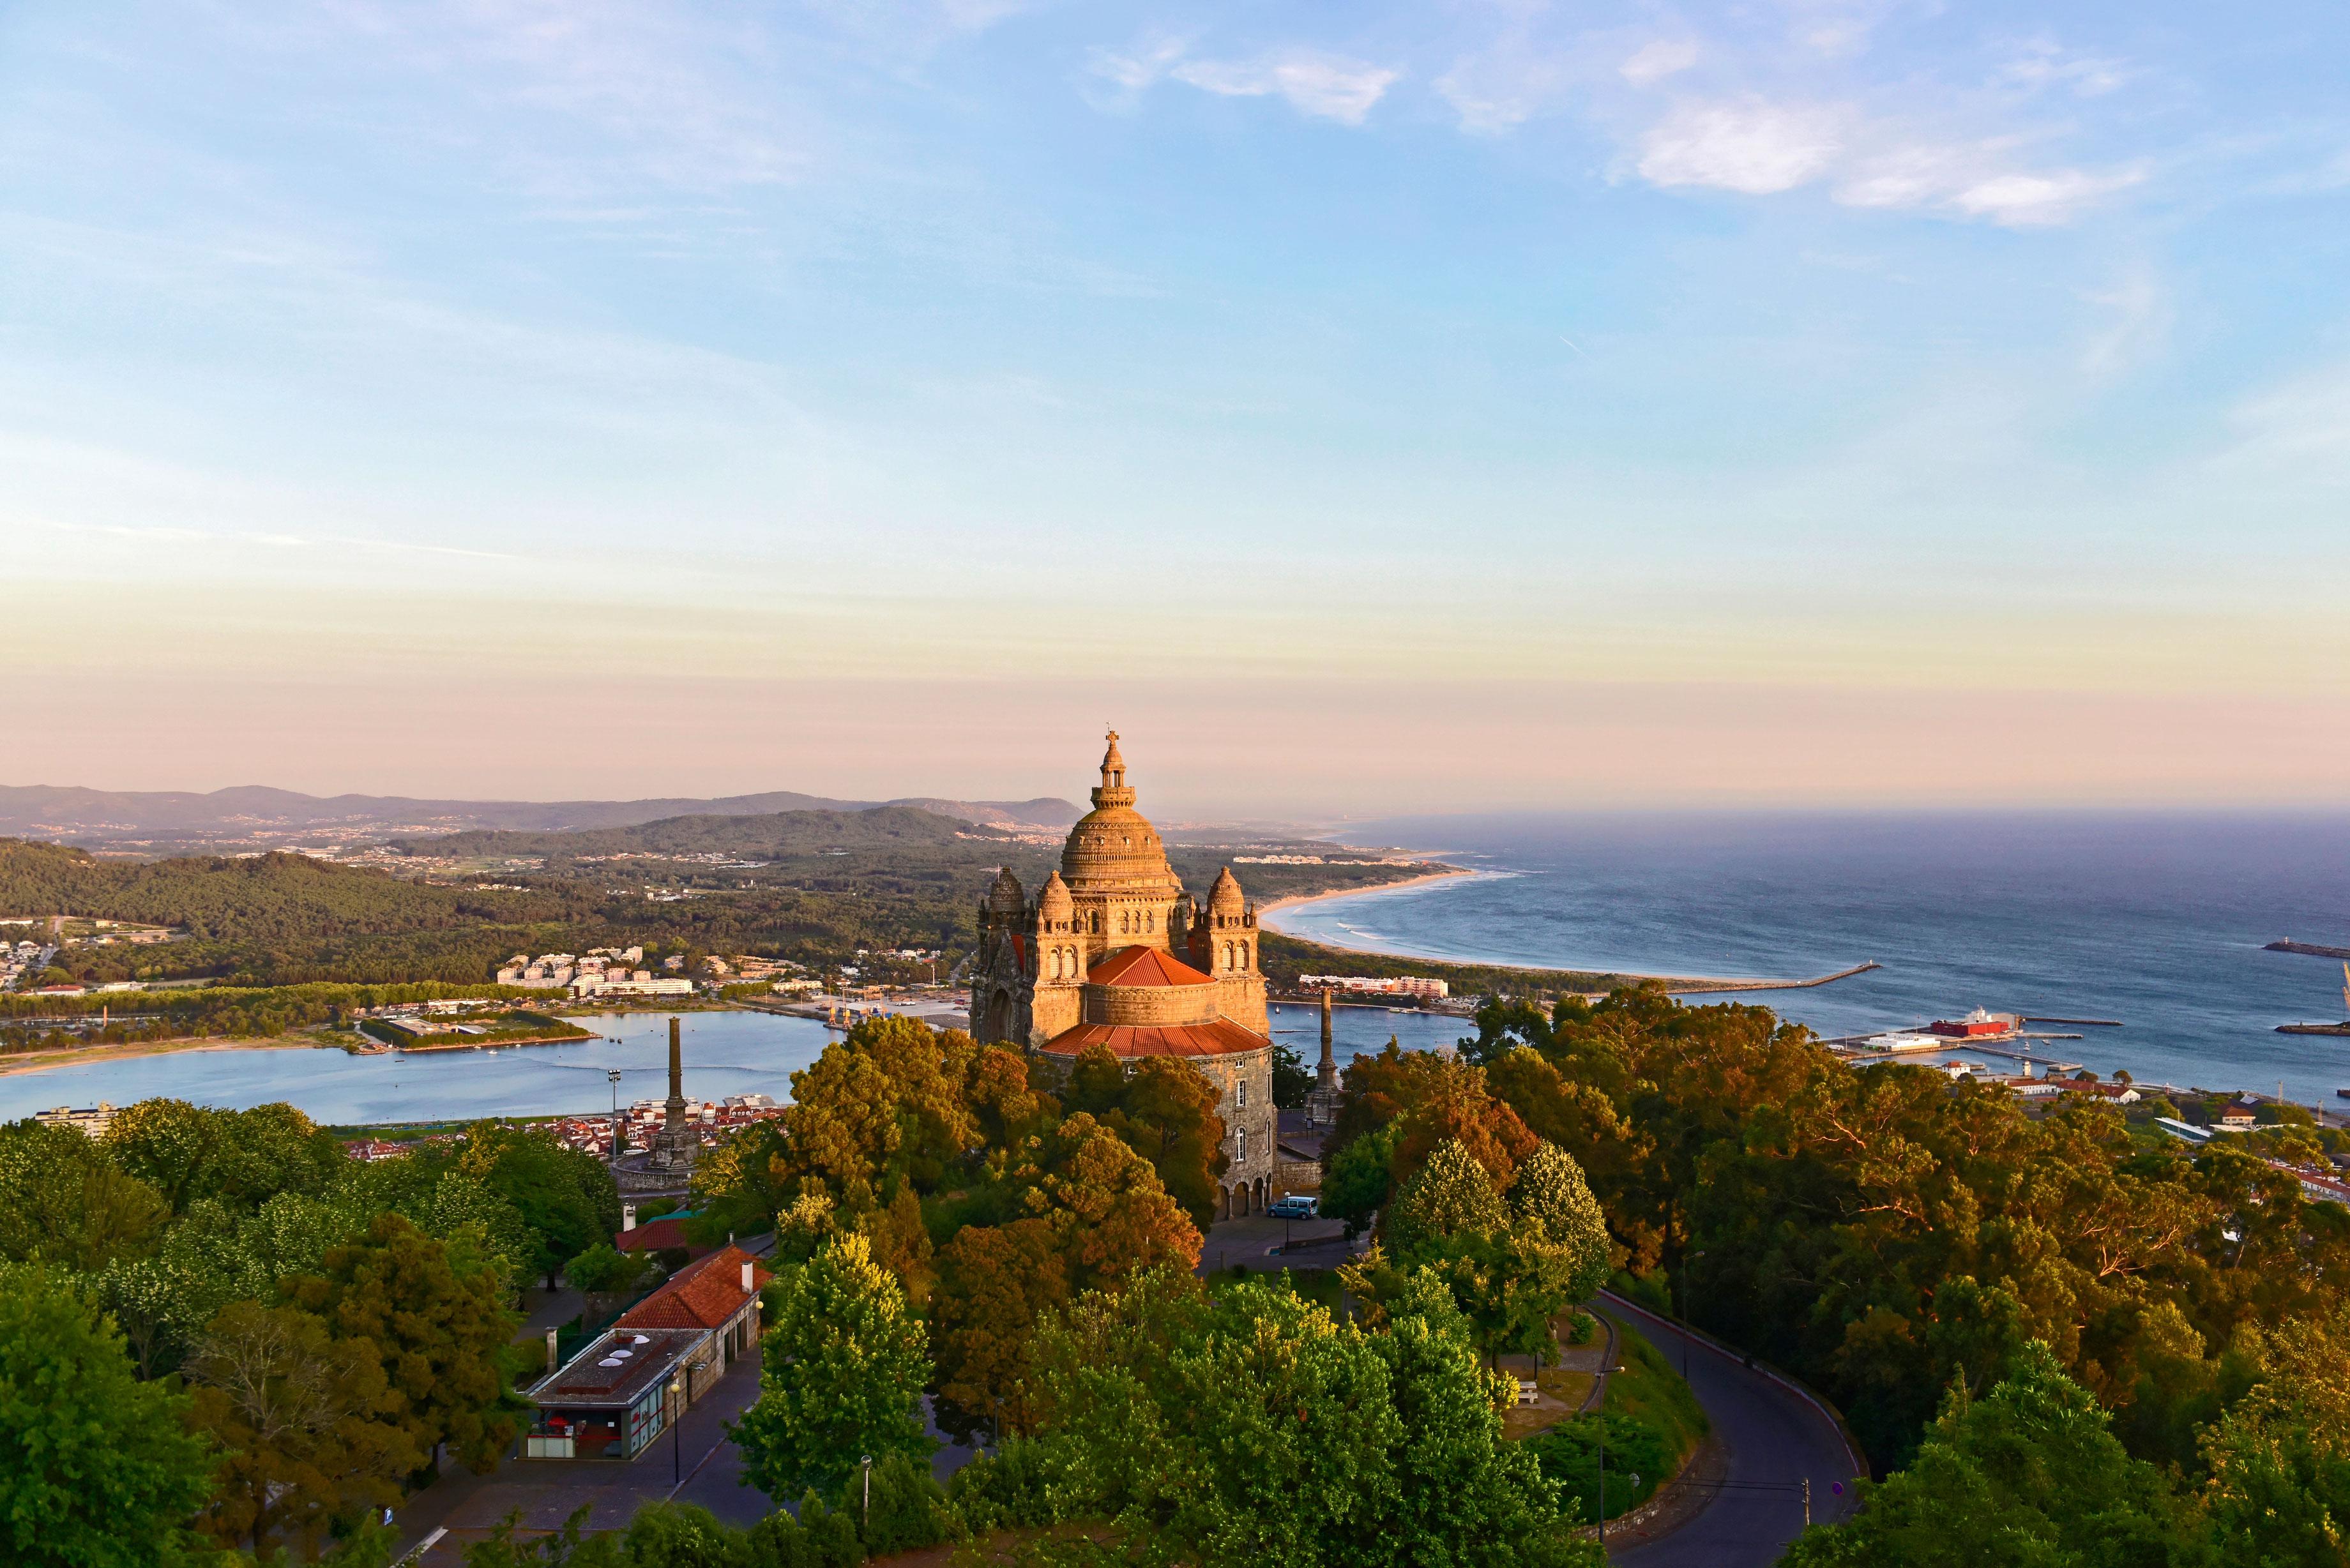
point(1679, 984)
point(1297, 900)
point(38, 1061)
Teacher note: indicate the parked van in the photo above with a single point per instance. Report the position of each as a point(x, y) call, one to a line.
point(1296, 1206)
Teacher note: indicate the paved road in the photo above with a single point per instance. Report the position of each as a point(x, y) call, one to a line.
point(1772, 1436)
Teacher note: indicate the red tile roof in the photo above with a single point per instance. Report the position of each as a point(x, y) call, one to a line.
point(653, 1236)
point(1144, 966)
point(1222, 1038)
point(700, 1295)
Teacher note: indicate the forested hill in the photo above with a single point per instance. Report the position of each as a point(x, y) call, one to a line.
point(263, 898)
point(783, 834)
point(185, 819)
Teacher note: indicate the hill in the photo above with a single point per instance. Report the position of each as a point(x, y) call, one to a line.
point(263, 898)
point(775, 835)
point(256, 814)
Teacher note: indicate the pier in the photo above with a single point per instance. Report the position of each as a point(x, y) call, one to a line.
point(1710, 987)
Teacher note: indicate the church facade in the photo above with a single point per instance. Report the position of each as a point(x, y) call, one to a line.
point(1112, 951)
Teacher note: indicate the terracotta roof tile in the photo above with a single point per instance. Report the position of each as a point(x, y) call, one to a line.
point(653, 1236)
point(702, 1295)
point(1220, 1038)
point(1144, 966)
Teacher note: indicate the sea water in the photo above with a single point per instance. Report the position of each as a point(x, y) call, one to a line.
point(2155, 920)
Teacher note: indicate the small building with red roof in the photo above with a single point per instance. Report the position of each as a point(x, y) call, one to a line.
point(613, 1398)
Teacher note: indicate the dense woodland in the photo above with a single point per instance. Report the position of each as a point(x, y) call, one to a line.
point(223, 1340)
point(2063, 1339)
point(2050, 1329)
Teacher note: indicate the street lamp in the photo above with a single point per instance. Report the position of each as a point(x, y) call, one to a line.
point(867, 1462)
point(677, 1432)
point(614, 1075)
point(1604, 1371)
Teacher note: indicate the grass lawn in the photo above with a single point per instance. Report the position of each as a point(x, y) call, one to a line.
point(1650, 1423)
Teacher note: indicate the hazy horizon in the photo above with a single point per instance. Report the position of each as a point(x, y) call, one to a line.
point(1823, 401)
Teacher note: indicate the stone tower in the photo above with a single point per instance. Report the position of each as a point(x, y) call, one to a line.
point(677, 1145)
point(1322, 1099)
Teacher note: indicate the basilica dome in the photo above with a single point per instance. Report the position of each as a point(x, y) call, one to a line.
point(1113, 848)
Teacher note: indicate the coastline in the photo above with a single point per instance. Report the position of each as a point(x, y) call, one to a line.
point(128, 1050)
point(1677, 984)
point(1297, 900)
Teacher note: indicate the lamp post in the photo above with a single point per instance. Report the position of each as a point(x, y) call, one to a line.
point(677, 1432)
point(1604, 1371)
point(614, 1075)
point(867, 1461)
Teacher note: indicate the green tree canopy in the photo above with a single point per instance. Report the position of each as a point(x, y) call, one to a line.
point(97, 1469)
point(1255, 1428)
point(301, 1421)
point(843, 1368)
point(435, 1314)
point(64, 1201)
point(1450, 1194)
point(2030, 1475)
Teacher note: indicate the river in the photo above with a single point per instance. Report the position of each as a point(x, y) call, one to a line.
point(726, 1053)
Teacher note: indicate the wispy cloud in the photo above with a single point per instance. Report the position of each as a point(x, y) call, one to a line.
point(2041, 63)
point(1757, 146)
point(1324, 85)
point(1746, 145)
point(1657, 58)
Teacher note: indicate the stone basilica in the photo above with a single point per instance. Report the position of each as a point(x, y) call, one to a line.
point(1112, 951)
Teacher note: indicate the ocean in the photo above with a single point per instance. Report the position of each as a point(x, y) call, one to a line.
point(2154, 920)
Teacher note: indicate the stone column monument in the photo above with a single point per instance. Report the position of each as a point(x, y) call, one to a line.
point(1322, 1100)
point(677, 1145)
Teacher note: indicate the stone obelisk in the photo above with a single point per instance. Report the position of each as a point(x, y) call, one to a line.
point(1322, 1100)
point(677, 1144)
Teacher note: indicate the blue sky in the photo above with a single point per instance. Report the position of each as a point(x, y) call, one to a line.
point(1659, 402)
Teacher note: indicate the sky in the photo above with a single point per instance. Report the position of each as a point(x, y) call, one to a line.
point(1366, 408)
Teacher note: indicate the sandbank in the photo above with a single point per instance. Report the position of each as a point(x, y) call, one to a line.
point(80, 1056)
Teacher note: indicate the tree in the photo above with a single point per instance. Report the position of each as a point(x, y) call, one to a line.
point(1355, 1179)
point(1165, 1110)
point(1550, 1195)
point(64, 1201)
point(996, 1284)
point(566, 1199)
point(300, 1419)
point(2279, 1491)
point(1255, 1428)
point(2028, 1475)
point(435, 1315)
point(1450, 1194)
point(97, 1469)
point(241, 1157)
point(1292, 1080)
point(1111, 1216)
point(843, 1368)
point(602, 1269)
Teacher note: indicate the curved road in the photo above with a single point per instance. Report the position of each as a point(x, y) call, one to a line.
point(1775, 1438)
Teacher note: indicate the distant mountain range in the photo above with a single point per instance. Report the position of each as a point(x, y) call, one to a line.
point(254, 813)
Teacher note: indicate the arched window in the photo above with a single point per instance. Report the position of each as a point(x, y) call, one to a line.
point(1149, 919)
